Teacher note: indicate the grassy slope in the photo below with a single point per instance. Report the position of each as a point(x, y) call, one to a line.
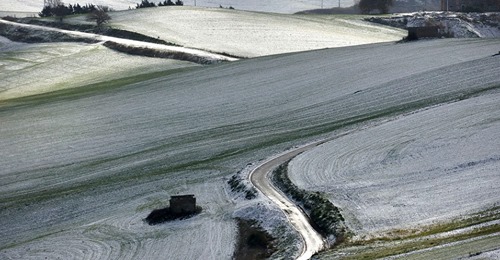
point(250, 34)
point(30, 69)
point(40, 68)
point(446, 155)
point(406, 175)
point(80, 172)
point(36, 6)
point(277, 6)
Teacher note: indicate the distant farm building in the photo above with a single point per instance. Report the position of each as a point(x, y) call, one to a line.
point(181, 207)
point(470, 5)
point(183, 204)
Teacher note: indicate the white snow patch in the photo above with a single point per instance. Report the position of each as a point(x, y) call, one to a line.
point(277, 6)
point(251, 34)
point(434, 165)
point(114, 152)
point(29, 69)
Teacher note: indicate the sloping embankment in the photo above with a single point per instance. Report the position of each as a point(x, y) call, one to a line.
point(326, 217)
point(160, 53)
point(19, 33)
point(35, 34)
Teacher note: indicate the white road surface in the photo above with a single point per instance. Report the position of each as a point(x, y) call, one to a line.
point(313, 241)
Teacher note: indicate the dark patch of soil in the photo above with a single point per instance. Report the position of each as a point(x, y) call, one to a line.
point(159, 216)
point(253, 242)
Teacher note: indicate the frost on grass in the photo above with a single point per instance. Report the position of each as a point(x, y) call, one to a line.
point(242, 186)
point(29, 69)
point(267, 216)
point(277, 6)
point(94, 166)
point(249, 34)
point(325, 216)
point(117, 231)
point(263, 214)
point(434, 165)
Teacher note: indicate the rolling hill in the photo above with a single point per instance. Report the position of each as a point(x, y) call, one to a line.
point(92, 140)
point(250, 34)
point(32, 69)
point(80, 170)
point(280, 6)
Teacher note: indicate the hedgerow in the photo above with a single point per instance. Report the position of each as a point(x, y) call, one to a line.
point(237, 185)
point(325, 216)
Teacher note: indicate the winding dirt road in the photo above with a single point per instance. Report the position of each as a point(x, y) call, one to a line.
point(313, 241)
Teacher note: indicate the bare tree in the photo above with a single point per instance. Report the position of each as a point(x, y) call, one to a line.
point(61, 11)
point(99, 16)
point(53, 8)
point(52, 3)
point(366, 6)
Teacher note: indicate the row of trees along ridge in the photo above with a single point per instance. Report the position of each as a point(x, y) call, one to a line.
point(367, 6)
point(146, 3)
point(96, 13)
point(56, 8)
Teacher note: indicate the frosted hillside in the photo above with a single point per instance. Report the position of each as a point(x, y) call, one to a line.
point(35, 6)
point(250, 34)
point(247, 34)
point(434, 165)
point(29, 69)
point(277, 6)
point(80, 171)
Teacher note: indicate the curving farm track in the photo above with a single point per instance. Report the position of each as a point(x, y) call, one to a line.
point(392, 171)
point(313, 241)
point(80, 171)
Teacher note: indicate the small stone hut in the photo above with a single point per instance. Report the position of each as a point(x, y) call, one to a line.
point(183, 204)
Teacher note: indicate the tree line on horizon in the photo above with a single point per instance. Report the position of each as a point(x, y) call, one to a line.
point(95, 13)
point(58, 8)
point(367, 6)
point(146, 3)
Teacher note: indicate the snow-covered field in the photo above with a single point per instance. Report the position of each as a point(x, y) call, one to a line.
point(28, 69)
point(434, 165)
point(120, 233)
point(79, 172)
point(277, 6)
point(58, 66)
point(251, 34)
